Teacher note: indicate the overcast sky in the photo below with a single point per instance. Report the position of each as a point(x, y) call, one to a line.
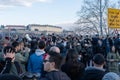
point(23, 12)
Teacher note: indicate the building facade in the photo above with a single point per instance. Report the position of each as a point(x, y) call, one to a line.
point(31, 28)
point(44, 28)
point(15, 27)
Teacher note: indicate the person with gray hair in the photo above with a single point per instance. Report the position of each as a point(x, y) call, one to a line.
point(111, 76)
point(55, 49)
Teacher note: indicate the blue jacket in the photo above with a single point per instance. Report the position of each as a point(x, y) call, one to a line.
point(35, 63)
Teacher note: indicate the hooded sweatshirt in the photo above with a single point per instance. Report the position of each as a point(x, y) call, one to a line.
point(39, 52)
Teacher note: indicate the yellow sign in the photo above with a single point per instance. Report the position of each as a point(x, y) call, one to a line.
point(113, 18)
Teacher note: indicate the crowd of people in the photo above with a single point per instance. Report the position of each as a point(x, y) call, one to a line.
point(57, 57)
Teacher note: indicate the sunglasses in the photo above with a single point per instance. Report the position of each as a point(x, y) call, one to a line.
point(46, 61)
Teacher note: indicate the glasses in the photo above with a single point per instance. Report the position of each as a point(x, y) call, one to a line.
point(46, 61)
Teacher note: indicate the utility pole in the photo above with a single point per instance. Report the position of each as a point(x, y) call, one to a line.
point(101, 31)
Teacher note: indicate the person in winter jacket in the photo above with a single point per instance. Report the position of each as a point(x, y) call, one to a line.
point(35, 63)
point(72, 66)
point(96, 72)
point(113, 59)
point(52, 65)
point(9, 57)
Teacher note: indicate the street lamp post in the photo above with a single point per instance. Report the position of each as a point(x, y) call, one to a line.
point(101, 32)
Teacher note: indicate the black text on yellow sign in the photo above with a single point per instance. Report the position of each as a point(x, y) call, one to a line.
point(113, 18)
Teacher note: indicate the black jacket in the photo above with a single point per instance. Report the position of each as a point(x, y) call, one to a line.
point(7, 66)
point(94, 73)
point(56, 75)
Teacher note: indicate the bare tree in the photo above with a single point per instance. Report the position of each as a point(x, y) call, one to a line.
point(89, 16)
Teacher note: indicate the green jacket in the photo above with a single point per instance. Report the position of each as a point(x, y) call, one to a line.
point(112, 62)
point(13, 70)
point(22, 59)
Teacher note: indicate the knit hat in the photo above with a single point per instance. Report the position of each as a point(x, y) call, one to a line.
point(111, 76)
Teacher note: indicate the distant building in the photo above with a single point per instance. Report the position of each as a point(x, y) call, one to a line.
point(44, 28)
point(15, 27)
point(31, 28)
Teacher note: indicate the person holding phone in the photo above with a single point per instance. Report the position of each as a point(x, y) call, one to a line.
point(9, 57)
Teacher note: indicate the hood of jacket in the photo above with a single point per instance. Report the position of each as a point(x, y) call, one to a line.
point(39, 52)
